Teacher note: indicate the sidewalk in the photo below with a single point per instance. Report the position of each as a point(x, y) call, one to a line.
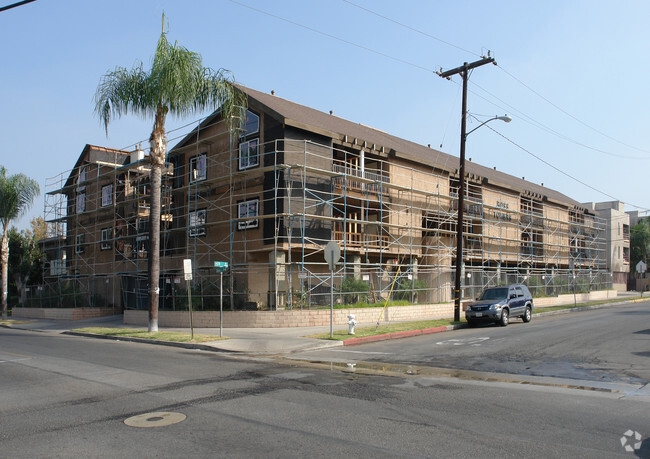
point(268, 341)
point(242, 340)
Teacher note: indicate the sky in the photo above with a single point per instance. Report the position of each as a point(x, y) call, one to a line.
point(573, 75)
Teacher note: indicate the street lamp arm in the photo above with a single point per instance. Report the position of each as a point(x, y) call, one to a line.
point(505, 118)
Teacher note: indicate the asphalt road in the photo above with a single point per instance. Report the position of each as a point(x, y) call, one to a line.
point(67, 396)
point(608, 345)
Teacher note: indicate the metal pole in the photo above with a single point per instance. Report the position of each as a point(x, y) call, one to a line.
point(221, 306)
point(189, 301)
point(332, 303)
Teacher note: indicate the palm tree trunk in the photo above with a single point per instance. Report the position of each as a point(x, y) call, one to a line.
point(154, 247)
point(4, 261)
point(157, 157)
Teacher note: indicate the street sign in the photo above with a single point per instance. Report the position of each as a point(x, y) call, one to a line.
point(641, 267)
point(332, 254)
point(187, 269)
point(221, 266)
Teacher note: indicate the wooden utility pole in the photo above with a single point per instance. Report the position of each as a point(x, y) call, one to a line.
point(463, 71)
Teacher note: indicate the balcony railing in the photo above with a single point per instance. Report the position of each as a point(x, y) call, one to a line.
point(359, 240)
point(347, 181)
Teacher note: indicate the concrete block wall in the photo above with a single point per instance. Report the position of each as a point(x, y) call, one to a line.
point(290, 318)
point(61, 313)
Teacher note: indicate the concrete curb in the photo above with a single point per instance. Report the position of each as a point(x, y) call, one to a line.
point(202, 347)
point(402, 334)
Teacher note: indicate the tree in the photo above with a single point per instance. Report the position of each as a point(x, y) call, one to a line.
point(176, 84)
point(25, 259)
point(640, 242)
point(17, 193)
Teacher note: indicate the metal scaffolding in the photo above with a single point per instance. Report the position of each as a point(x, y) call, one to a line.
point(271, 216)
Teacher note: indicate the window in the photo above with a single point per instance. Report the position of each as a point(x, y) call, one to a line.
point(142, 245)
point(107, 195)
point(81, 202)
point(80, 240)
point(249, 154)
point(198, 168)
point(82, 175)
point(197, 223)
point(105, 240)
point(252, 124)
point(248, 209)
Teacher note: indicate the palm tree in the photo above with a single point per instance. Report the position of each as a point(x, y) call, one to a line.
point(17, 193)
point(176, 84)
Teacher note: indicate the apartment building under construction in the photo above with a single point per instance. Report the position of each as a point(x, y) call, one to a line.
point(269, 199)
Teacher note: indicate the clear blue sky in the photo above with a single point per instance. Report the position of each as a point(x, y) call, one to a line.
point(573, 75)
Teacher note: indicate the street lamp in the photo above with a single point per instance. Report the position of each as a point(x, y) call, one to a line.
point(505, 118)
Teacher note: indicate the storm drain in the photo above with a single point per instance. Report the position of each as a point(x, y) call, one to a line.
point(158, 419)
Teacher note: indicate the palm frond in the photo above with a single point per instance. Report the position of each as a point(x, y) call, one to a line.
point(17, 193)
point(124, 91)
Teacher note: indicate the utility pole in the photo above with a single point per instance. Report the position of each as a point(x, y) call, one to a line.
point(463, 71)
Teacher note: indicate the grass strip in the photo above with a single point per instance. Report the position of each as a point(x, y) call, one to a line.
point(13, 322)
point(342, 335)
point(178, 337)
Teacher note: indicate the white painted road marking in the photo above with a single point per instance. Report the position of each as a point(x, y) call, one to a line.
point(464, 341)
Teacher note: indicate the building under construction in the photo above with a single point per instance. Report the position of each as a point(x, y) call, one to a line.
point(268, 199)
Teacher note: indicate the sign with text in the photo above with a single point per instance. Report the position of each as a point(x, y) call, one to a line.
point(187, 269)
point(221, 266)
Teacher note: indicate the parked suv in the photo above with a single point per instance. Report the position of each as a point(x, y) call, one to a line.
point(499, 304)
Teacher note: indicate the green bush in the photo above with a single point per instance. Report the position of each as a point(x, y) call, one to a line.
point(354, 290)
point(407, 289)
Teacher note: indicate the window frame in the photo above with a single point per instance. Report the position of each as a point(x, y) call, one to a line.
point(108, 196)
point(194, 166)
point(252, 223)
point(247, 144)
point(105, 238)
point(245, 132)
point(195, 226)
point(79, 243)
point(80, 202)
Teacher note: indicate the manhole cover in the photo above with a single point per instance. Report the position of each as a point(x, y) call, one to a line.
point(159, 419)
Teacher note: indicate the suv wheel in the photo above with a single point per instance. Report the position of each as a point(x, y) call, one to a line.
point(505, 316)
point(527, 315)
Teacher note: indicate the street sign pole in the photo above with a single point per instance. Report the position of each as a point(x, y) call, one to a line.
point(187, 270)
point(221, 266)
point(221, 305)
point(332, 254)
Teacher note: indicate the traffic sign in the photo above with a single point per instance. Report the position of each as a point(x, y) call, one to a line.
point(332, 254)
point(221, 266)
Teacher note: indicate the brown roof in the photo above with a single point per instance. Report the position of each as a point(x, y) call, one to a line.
point(308, 118)
point(303, 117)
point(94, 153)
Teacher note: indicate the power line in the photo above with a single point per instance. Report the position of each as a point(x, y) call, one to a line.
point(334, 37)
point(403, 61)
point(412, 28)
point(569, 114)
point(530, 120)
point(557, 107)
point(560, 170)
point(14, 5)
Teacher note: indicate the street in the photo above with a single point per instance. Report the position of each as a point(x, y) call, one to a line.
point(610, 345)
point(68, 396)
